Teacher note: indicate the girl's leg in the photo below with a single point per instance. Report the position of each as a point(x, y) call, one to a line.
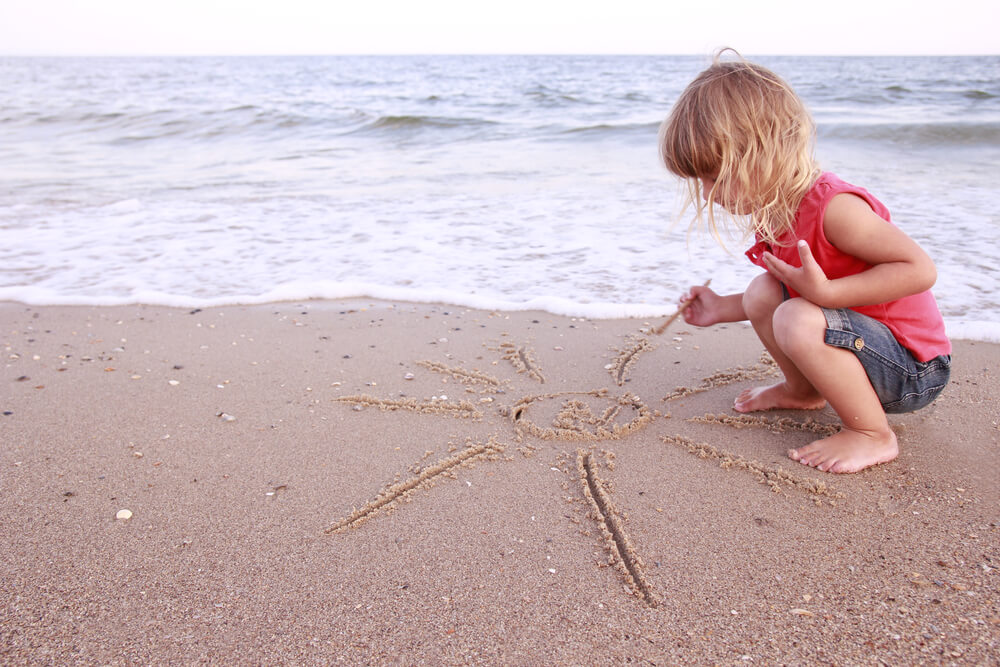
point(836, 374)
point(760, 301)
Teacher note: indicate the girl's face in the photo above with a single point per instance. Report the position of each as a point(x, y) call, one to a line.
point(721, 198)
point(724, 197)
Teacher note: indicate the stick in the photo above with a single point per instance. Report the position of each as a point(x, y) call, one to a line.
point(670, 320)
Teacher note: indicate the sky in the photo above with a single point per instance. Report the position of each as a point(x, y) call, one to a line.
point(265, 27)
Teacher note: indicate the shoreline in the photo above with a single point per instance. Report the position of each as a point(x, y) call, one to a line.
point(370, 481)
point(958, 329)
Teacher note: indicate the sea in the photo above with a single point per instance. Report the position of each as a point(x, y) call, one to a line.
point(495, 182)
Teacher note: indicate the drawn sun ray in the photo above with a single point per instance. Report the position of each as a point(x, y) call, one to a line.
point(393, 493)
point(622, 551)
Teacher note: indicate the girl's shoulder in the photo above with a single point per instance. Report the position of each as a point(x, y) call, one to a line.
point(828, 186)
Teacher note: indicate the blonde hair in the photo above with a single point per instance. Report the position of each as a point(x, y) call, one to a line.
point(742, 126)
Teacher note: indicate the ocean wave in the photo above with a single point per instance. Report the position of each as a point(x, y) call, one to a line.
point(255, 123)
point(411, 122)
point(547, 97)
point(143, 125)
point(892, 96)
point(409, 125)
point(976, 94)
point(615, 128)
point(919, 134)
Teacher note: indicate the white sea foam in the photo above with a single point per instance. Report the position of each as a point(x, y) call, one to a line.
point(301, 292)
point(966, 330)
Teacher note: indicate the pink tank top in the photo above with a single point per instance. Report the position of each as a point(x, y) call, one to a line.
point(914, 320)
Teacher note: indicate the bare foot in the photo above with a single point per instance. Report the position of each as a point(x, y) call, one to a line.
point(776, 397)
point(847, 451)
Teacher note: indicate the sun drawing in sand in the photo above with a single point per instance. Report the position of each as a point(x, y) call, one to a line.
point(585, 417)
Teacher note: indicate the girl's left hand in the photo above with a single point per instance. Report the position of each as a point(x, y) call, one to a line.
point(810, 280)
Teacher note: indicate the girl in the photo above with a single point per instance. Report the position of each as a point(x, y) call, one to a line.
point(844, 306)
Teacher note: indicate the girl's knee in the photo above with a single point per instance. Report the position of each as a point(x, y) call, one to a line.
point(761, 297)
point(798, 325)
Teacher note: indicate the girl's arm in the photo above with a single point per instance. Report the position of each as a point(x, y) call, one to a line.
point(709, 308)
point(900, 267)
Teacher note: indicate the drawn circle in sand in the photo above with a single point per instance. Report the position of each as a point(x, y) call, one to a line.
point(591, 415)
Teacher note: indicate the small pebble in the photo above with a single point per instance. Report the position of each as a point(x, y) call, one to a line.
point(408, 376)
point(226, 417)
point(124, 515)
point(173, 383)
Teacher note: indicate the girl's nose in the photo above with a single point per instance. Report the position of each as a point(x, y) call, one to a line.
point(706, 186)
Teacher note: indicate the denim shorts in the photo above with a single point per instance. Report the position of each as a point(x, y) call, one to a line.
point(902, 383)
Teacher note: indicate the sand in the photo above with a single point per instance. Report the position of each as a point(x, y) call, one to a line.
point(373, 483)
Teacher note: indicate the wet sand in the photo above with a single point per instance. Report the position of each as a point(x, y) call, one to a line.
point(369, 482)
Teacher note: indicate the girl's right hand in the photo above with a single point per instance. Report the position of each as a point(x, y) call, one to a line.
point(703, 306)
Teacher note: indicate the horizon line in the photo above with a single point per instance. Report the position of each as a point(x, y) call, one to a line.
point(277, 54)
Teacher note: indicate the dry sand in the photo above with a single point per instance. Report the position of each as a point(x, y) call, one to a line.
point(396, 483)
